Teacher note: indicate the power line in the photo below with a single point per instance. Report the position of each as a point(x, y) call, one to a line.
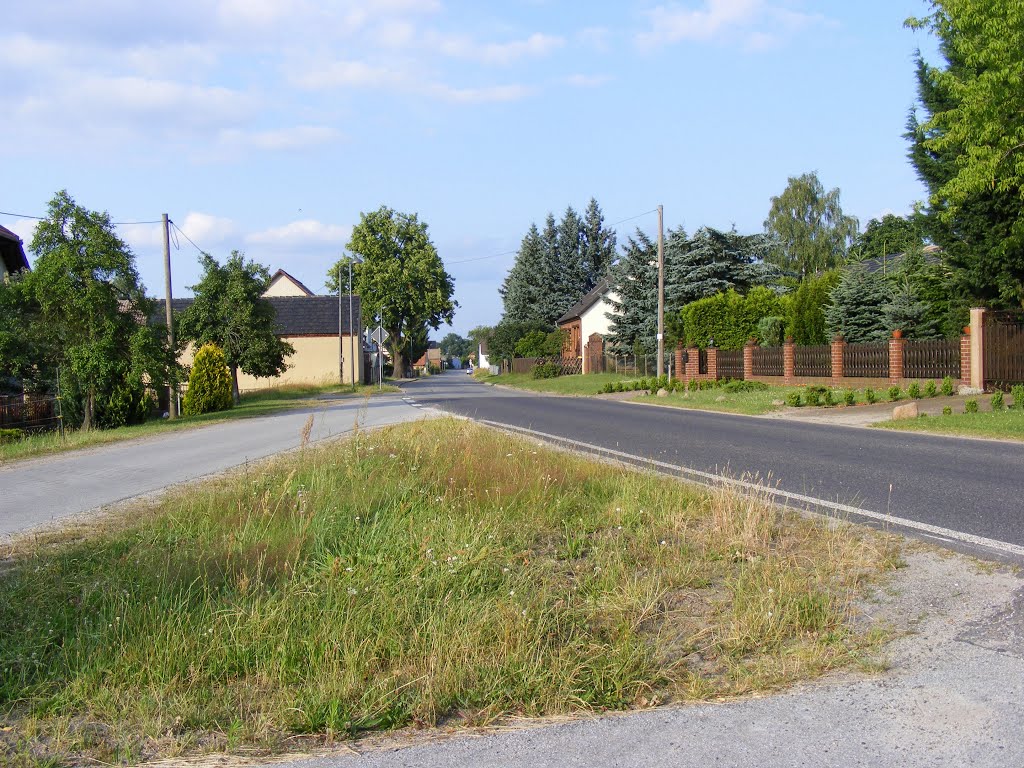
point(187, 237)
point(43, 218)
point(631, 218)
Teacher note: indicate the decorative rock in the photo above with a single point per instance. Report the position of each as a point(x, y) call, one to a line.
point(778, 403)
point(662, 392)
point(901, 412)
point(720, 399)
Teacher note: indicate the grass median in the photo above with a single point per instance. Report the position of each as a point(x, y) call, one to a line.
point(578, 384)
point(420, 574)
point(999, 425)
point(258, 403)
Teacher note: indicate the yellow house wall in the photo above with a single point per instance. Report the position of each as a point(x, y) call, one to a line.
point(282, 286)
point(315, 361)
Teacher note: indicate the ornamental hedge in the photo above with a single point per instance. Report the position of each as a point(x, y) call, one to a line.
point(209, 384)
point(729, 318)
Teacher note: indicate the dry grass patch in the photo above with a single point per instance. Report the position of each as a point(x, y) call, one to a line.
point(423, 573)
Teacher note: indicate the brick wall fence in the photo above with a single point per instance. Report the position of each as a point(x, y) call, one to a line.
point(828, 366)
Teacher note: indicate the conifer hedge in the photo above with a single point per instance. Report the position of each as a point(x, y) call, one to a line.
point(209, 384)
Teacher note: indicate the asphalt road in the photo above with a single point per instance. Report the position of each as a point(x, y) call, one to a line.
point(46, 490)
point(975, 487)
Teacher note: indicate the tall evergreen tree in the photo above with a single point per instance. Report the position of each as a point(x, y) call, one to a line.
point(524, 285)
point(555, 294)
point(574, 277)
point(887, 236)
point(598, 245)
point(713, 261)
point(634, 319)
point(857, 304)
point(966, 137)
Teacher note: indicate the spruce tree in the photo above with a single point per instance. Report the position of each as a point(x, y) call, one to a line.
point(906, 312)
point(711, 262)
point(856, 308)
point(598, 245)
point(573, 278)
point(525, 284)
point(635, 280)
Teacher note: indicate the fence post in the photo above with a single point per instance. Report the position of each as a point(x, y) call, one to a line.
point(789, 360)
point(681, 368)
point(748, 360)
point(896, 346)
point(692, 363)
point(965, 357)
point(838, 346)
point(713, 363)
point(977, 381)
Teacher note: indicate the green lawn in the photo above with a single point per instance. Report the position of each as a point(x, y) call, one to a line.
point(253, 404)
point(1008, 424)
point(748, 403)
point(589, 384)
point(419, 574)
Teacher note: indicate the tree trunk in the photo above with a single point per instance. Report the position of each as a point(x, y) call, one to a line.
point(90, 400)
point(236, 397)
point(398, 363)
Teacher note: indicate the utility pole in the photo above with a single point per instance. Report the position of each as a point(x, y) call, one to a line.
point(341, 348)
point(661, 290)
point(172, 389)
point(351, 326)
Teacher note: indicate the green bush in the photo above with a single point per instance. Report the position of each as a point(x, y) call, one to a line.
point(662, 381)
point(870, 396)
point(895, 393)
point(770, 330)
point(914, 390)
point(850, 397)
point(997, 401)
point(805, 311)
point(10, 436)
point(620, 387)
point(971, 406)
point(209, 384)
point(728, 317)
point(830, 398)
point(947, 411)
point(813, 396)
point(930, 390)
point(609, 387)
point(1017, 392)
point(694, 385)
point(739, 385)
point(947, 386)
point(793, 400)
point(546, 370)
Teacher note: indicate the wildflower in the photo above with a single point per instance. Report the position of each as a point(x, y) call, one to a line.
point(504, 570)
point(349, 569)
point(511, 592)
point(509, 455)
point(352, 591)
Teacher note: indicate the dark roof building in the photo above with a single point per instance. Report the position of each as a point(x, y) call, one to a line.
point(298, 315)
point(932, 255)
point(602, 287)
point(12, 253)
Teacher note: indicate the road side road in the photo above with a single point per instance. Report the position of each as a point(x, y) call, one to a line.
point(39, 491)
point(970, 486)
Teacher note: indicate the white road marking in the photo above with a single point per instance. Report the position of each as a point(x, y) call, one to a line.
point(709, 477)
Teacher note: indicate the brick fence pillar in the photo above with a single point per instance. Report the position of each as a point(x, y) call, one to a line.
point(713, 363)
point(838, 346)
point(977, 349)
point(748, 360)
point(896, 345)
point(965, 357)
point(692, 363)
point(789, 360)
point(680, 364)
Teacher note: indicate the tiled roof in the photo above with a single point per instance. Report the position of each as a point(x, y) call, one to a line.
point(932, 255)
point(298, 315)
point(587, 301)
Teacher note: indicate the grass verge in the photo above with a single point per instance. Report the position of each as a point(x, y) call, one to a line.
point(1004, 425)
point(580, 384)
point(427, 573)
point(754, 403)
point(259, 403)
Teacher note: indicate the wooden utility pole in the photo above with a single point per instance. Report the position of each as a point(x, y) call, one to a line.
point(172, 390)
point(661, 291)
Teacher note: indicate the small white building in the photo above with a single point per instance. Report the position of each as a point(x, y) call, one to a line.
point(587, 325)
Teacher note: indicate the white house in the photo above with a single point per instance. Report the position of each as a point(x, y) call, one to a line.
point(587, 325)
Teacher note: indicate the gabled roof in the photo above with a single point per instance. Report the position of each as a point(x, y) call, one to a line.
point(588, 301)
point(12, 253)
point(297, 315)
point(282, 275)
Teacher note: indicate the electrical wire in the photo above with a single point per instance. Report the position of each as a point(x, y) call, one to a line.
point(187, 237)
point(42, 218)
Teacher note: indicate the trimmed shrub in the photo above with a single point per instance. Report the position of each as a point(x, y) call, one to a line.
point(793, 400)
point(10, 436)
point(813, 397)
point(971, 406)
point(620, 387)
point(947, 386)
point(947, 411)
point(870, 396)
point(895, 393)
point(914, 390)
point(830, 398)
point(850, 397)
point(694, 385)
point(209, 384)
point(930, 390)
point(1017, 392)
point(546, 370)
point(997, 401)
point(739, 385)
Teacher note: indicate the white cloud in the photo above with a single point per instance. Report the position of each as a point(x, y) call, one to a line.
point(23, 228)
point(755, 22)
point(206, 229)
point(305, 232)
point(297, 137)
point(342, 74)
point(486, 95)
point(536, 45)
point(587, 81)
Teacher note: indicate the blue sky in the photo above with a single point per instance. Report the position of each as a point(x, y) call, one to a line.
point(268, 125)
